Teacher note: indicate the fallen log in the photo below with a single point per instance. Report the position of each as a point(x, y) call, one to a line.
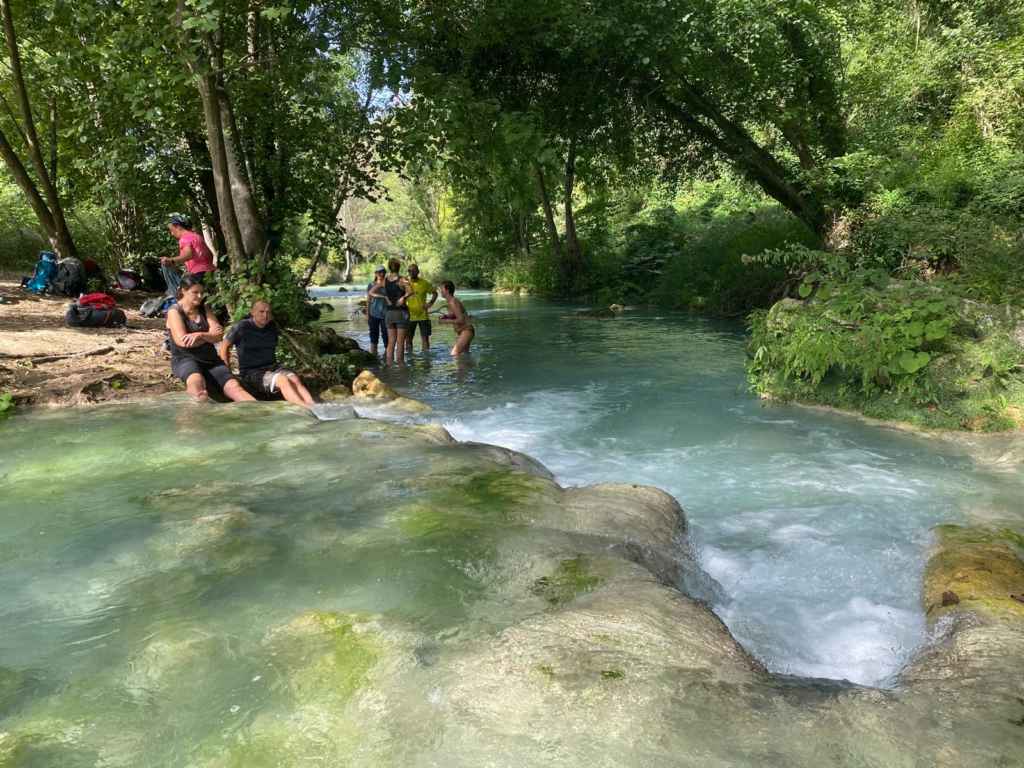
point(36, 359)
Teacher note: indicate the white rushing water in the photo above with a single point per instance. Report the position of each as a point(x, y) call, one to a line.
point(815, 526)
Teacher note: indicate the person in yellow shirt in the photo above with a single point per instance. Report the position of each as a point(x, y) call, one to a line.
point(419, 305)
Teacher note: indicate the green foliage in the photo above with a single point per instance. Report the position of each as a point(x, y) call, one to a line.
point(893, 349)
point(237, 291)
point(872, 337)
point(6, 404)
point(20, 243)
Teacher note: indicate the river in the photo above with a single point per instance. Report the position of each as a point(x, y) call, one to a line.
point(815, 526)
point(219, 586)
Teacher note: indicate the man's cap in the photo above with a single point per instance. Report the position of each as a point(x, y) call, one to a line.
point(181, 220)
point(378, 270)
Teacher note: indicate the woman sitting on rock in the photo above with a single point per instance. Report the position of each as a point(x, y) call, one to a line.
point(194, 331)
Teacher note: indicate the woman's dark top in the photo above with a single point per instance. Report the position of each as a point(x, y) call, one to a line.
point(394, 291)
point(202, 353)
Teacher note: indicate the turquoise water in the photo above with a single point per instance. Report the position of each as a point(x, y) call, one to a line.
point(229, 586)
point(815, 526)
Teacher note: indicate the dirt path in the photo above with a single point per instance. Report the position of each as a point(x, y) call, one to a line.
point(43, 362)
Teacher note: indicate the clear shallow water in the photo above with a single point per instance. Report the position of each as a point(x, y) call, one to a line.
point(815, 526)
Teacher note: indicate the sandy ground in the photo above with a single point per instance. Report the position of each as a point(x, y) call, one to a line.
point(43, 362)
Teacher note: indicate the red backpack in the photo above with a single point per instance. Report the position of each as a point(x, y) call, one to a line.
point(97, 301)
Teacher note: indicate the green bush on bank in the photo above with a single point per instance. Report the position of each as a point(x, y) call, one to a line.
point(897, 350)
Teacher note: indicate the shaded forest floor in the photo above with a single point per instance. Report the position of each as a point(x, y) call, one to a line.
point(44, 362)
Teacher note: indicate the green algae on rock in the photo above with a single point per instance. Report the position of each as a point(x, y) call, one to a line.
point(979, 568)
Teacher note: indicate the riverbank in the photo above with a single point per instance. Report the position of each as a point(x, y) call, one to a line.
point(921, 354)
point(43, 362)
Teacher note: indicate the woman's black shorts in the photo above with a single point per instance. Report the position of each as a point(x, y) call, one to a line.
point(397, 318)
point(213, 373)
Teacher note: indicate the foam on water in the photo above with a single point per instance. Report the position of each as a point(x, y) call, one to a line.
point(816, 526)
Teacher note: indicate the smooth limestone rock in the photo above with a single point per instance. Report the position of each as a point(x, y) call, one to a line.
point(510, 458)
point(368, 389)
point(172, 663)
point(366, 386)
point(520, 624)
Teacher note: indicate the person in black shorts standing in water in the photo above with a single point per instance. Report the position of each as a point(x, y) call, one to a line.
point(422, 296)
point(396, 291)
point(194, 330)
point(256, 338)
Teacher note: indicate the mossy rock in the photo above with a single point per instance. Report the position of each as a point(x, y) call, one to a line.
point(46, 744)
point(330, 342)
point(573, 577)
point(327, 656)
point(336, 394)
point(975, 569)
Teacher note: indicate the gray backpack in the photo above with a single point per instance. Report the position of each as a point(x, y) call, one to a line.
point(70, 278)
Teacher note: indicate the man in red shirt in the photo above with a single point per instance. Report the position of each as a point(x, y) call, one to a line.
point(192, 252)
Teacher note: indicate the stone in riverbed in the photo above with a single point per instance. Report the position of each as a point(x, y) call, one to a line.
point(336, 394)
point(980, 567)
point(366, 386)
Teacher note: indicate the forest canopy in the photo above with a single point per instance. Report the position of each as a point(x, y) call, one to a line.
point(708, 155)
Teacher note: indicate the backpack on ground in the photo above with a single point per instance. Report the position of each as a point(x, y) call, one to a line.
point(157, 306)
point(70, 278)
point(97, 301)
point(91, 317)
point(128, 280)
point(46, 271)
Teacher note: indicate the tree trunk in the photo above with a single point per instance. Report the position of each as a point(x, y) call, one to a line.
point(747, 156)
point(221, 174)
point(61, 238)
point(250, 223)
point(573, 265)
point(200, 157)
point(549, 215)
point(23, 180)
point(53, 140)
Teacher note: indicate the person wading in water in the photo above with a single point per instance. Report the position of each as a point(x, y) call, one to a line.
point(396, 291)
point(456, 315)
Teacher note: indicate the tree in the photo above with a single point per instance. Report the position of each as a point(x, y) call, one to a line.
point(40, 191)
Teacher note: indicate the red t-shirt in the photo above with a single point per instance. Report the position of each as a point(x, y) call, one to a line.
point(202, 259)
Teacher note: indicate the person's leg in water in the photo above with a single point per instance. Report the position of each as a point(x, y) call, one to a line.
point(425, 331)
point(195, 385)
point(463, 341)
point(294, 391)
point(389, 344)
point(410, 334)
point(376, 325)
point(400, 344)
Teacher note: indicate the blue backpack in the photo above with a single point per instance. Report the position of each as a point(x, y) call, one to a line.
point(46, 270)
